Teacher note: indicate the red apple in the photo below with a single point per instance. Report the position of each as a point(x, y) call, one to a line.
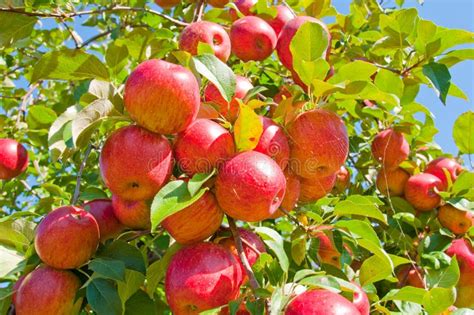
point(162, 97)
point(205, 32)
point(390, 148)
point(292, 194)
point(464, 252)
point(67, 237)
point(437, 167)
point(412, 276)
point(392, 183)
point(320, 302)
point(134, 214)
point(319, 143)
point(420, 191)
point(203, 146)
point(48, 291)
point(196, 222)
point(252, 39)
point(283, 16)
point(343, 178)
point(202, 277)
point(273, 142)
point(244, 7)
point(229, 110)
point(167, 4)
point(360, 300)
point(287, 34)
point(13, 159)
point(312, 190)
point(135, 163)
point(327, 252)
point(218, 3)
point(103, 212)
point(252, 252)
point(282, 94)
point(250, 186)
point(457, 221)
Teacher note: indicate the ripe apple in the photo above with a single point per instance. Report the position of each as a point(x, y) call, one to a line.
point(360, 300)
point(343, 178)
point(292, 194)
point(244, 7)
point(135, 163)
point(287, 34)
point(420, 191)
point(412, 276)
point(250, 186)
point(320, 302)
point(218, 3)
point(312, 190)
point(167, 4)
point(457, 221)
point(103, 212)
point(202, 277)
point(322, 153)
point(162, 97)
point(205, 32)
point(437, 167)
point(283, 16)
point(390, 148)
point(273, 142)
point(252, 39)
point(196, 222)
point(392, 182)
point(16, 287)
point(67, 237)
point(464, 252)
point(47, 291)
point(252, 252)
point(327, 252)
point(282, 94)
point(134, 214)
point(230, 110)
point(13, 159)
point(203, 146)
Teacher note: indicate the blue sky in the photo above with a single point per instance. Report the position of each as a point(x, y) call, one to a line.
point(452, 14)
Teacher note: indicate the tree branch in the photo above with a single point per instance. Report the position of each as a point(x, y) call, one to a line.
point(77, 190)
point(24, 103)
point(240, 250)
point(89, 12)
point(198, 11)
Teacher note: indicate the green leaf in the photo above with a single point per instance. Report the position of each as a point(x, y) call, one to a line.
point(116, 56)
point(298, 245)
point(156, 271)
point(133, 281)
point(365, 206)
point(354, 71)
point(389, 82)
point(463, 185)
point(408, 293)
point(449, 38)
point(196, 182)
point(56, 140)
point(173, 197)
point(88, 119)
point(463, 132)
point(140, 303)
point(438, 300)
point(275, 242)
point(440, 78)
point(17, 233)
point(444, 278)
point(456, 56)
point(9, 260)
point(108, 268)
point(128, 254)
point(69, 64)
point(15, 27)
point(103, 297)
point(360, 229)
point(40, 116)
point(247, 129)
point(218, 73)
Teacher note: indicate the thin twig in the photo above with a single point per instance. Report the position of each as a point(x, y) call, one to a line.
point(29, 188)
point(24, 103)
point(240, 250)
point(294, 219)
point(290, 8)
point(77, 190)
point(75, 37)
point(198, 11)
point(89, 12)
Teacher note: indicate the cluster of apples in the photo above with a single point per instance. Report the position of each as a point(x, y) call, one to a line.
point(390, 149)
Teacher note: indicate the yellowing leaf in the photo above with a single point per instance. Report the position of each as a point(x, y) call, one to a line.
point(247, 129)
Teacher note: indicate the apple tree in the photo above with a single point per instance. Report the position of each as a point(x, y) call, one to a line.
point(242, 157)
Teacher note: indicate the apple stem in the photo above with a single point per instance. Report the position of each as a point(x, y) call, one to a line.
point(77, 190)
point(294, 219)
point(240, 250)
